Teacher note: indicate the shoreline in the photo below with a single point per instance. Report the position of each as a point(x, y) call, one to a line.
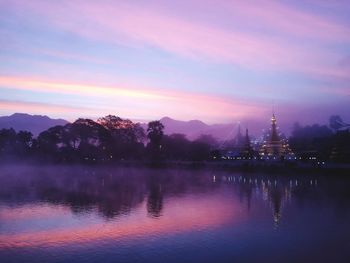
point(234, 166)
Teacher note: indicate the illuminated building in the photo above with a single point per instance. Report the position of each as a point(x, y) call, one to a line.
point(274, 145)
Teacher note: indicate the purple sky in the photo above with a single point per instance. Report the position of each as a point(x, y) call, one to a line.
point(217, 61)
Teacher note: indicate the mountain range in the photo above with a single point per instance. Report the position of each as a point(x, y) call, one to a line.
point(192, 129)
point(33, 123)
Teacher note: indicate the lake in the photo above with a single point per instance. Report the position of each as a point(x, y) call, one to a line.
point(106, 214)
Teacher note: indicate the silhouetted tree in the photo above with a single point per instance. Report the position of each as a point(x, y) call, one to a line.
point(175, 147)
point(341, 147)
point(314, 139)
point(48, 143)
point(90, 139)
point(7, 142)
point(207, 139)
point(127, 137)
point(112, 138)
point(24, 142)
point(200, 151)
point(155, 134)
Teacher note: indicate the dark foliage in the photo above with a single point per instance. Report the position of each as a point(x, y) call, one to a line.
point(312, 139)
point(109, 139)
point(321, 141)
point(155, 135)
point(113, 139)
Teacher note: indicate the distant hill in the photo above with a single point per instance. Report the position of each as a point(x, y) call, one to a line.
point(194, 128)
point(186, 127)
point(33, 123)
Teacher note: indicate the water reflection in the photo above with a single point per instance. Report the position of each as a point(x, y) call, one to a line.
point(94, 207)
point(114, 192)
point(155, 198)
point(276, 192)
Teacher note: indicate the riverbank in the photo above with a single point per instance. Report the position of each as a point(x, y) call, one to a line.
point(244, 166)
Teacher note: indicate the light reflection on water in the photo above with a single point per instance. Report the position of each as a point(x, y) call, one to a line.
point(65, 214)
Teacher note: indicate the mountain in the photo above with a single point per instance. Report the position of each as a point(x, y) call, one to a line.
point(194, 128)
point(222, 132)
point(33, 123)
point(185, 127)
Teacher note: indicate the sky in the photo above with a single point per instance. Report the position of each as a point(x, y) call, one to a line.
point(216, 61)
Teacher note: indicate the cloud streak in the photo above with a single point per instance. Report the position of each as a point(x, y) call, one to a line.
point(134, 103)
point(231, 56)
point(138, 25)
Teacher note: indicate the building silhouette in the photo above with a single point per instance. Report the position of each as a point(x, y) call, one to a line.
point(241, 146)
point(273, 145)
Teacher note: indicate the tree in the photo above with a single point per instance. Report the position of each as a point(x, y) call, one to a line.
point(139, 133)
point(127, 137)
point(7, 141)
point(111, 122)
point(93, 140)
point(176, 146)
point(207, 139)
point(312, 138)
point(24, 142)
point(50, 141)
point(155, 132)
point(200, 151)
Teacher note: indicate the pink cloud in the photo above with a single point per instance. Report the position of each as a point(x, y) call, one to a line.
point(38, 108)
point(139, 25)
point(342, 91)
point(289, 20)
point(130, 101)
point(289, 39)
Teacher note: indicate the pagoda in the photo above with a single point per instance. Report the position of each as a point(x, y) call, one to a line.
point(240, 146)
point(247, 150)
point(274, 145)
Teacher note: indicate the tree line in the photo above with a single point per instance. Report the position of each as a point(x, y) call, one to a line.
point(113, 139)
point(107, 140)
point(330, 142)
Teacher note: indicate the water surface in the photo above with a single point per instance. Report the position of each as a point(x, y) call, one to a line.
point(90, 214)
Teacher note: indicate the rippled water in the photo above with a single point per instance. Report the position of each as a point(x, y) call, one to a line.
point(89, 214)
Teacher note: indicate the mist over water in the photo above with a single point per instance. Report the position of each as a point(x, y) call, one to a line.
point(118, 214)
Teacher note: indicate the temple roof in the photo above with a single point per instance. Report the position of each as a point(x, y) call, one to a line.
point(274, 135)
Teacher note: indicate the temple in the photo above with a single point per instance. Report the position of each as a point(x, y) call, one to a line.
point(274, 145)
point(247, 150)
point(241, 146)
point(238, 141)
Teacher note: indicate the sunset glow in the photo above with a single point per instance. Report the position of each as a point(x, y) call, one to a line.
point(174, 130)
point(218, 62)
